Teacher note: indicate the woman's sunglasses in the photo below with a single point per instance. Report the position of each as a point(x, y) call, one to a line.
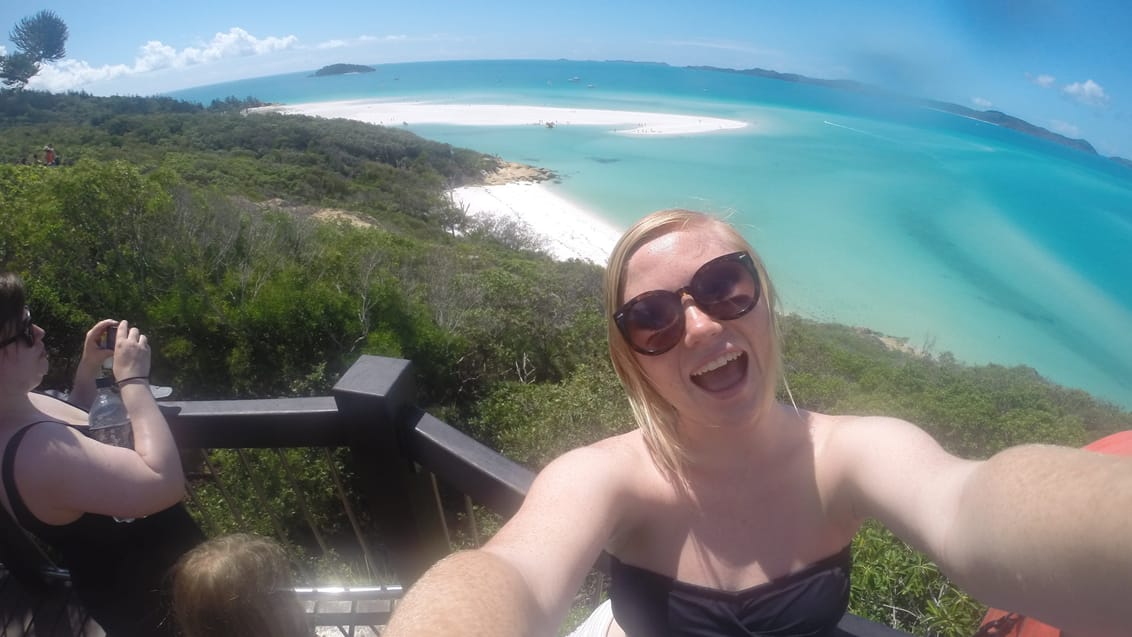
point(725, 288)
point(26, 332)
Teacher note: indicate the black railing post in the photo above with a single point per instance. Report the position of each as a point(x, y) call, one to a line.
point(375, 398)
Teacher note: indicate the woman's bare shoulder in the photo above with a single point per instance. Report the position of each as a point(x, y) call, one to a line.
point(50, 441)
point(620, 464)
point(613, 457)
point(629, 443)
point(845, 427)
point(57, 409)
point(843, 441)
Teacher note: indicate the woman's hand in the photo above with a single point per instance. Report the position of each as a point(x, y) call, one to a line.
point(131, 353)
point(93, 355)
point(90, 364)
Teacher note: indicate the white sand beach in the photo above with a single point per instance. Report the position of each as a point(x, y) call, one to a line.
point(408, 113)
point(571, 232)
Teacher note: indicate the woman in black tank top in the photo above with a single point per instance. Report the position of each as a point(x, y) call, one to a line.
point(68, 489)
point(727, 512)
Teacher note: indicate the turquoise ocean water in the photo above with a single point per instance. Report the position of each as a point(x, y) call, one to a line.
point(959, 235)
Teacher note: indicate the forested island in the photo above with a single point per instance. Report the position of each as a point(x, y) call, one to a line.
point(990, 116)
point(342, 69)
point(265, 253)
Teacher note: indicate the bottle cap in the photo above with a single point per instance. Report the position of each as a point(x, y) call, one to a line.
point(102, 382)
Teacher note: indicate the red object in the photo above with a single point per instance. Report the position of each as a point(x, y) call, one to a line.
point(999, 623)
point(1118, 444)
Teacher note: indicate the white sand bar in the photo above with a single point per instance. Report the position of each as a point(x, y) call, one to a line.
point(570, 231)
point(407, 113)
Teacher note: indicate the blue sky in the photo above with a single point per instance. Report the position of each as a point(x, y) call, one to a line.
point(1058, 64)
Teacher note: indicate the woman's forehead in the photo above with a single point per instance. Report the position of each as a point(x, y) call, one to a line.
point(669, 260)
point(700, 241)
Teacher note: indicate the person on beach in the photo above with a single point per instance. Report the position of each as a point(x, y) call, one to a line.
point(235, 585)
point(68, 489)
point(728, 512)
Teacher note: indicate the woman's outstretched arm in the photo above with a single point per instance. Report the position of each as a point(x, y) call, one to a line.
point(1036, 529)
point(473, 593)
point(523, 580)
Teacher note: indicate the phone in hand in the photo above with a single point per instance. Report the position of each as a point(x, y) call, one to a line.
point(108, 337)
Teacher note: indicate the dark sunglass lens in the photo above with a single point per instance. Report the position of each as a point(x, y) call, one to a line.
point(26, 332)
point(653, 322)
point(726, 289)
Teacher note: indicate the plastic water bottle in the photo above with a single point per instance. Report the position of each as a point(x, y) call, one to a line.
point(109, 421)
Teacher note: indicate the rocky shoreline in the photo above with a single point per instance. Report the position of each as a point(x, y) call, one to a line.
point(510, 172)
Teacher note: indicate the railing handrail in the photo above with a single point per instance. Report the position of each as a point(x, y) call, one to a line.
point(269, 422)
point(372, 411)
point(482, 473)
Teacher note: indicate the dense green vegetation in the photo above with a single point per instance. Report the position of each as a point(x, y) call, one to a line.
point(205, 226)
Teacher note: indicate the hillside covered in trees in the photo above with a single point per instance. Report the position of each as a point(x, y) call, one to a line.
point(264, 253)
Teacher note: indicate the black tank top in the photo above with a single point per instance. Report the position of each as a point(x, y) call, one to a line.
point(805, 603)
point(118, 569)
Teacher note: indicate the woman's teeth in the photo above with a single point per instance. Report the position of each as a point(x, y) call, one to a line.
point(717, 363)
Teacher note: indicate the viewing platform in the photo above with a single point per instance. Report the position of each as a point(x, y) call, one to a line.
point(413, 494)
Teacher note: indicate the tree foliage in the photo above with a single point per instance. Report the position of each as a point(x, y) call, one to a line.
point(43, 36)
point(38, 38)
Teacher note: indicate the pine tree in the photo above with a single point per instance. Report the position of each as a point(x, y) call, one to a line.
point(39, 38)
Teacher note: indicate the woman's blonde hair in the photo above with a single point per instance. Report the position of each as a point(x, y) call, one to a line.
point(237, 584)
point(654, 414)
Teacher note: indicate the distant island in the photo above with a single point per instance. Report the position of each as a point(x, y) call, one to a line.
point(342, 69)
point(991, 117)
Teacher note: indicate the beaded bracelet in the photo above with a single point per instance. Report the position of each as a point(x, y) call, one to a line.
point(144, 379)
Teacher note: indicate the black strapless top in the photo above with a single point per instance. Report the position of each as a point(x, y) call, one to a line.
point(806, 603)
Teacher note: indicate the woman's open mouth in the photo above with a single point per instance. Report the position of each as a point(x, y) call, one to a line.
point(722, 373)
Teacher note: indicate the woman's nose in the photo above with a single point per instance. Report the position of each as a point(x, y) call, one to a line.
point(698, 324)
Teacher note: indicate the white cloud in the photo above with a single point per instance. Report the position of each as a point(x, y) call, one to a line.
point(153, 55)
point(393, 38)
point(982, 102)
point(720, 45)
point(67, 75)
point(360, 40)
point(1088, 92)
point(1043, 80)
point(235, 43)
point(1065, 128)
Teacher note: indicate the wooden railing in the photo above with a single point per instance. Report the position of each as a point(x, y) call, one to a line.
point(402, 457)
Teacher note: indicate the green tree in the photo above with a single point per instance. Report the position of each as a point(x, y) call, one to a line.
point(39, 38)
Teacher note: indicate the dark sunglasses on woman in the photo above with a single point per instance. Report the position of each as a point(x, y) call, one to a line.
point(26, 332)
point(725, 288)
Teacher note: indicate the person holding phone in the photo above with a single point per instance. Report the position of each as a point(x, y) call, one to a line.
point(729, 512)
point(67, 489)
